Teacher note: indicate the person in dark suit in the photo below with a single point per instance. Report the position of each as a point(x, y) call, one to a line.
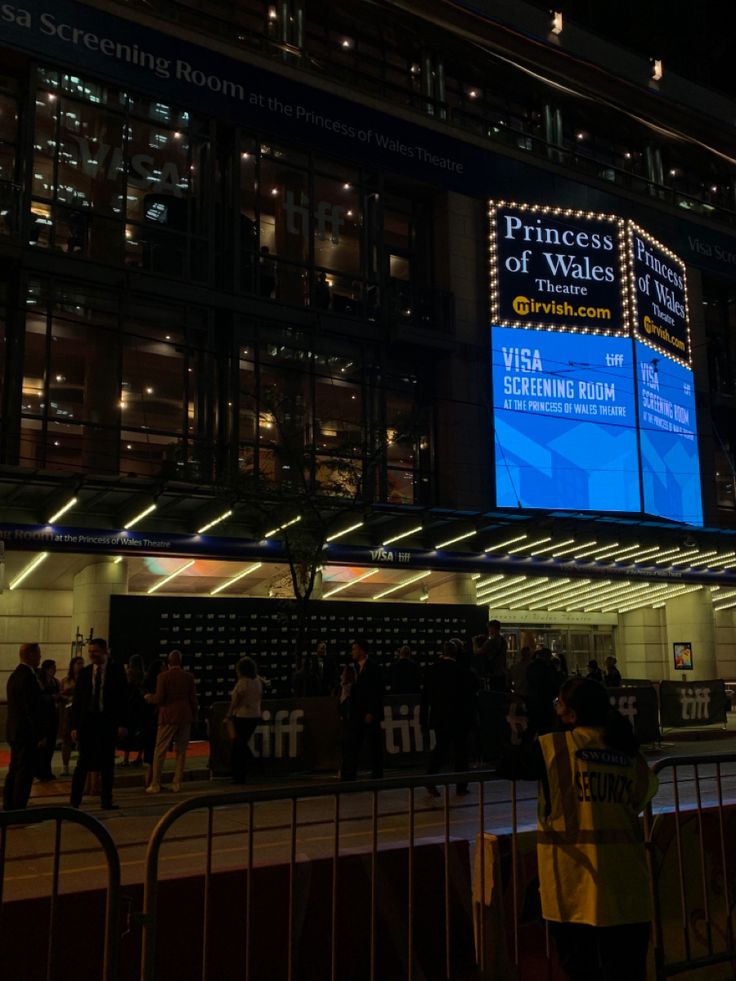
point(448, 707)
point(25, 728)
point(366, 713)
point(97, 721)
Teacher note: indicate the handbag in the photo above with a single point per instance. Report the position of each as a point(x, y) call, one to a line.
point(228, 728)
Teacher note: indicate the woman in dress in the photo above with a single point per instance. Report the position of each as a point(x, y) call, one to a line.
point(245, 714)
point(68, 687)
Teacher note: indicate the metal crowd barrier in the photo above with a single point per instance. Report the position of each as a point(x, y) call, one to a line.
point(61, 816)
point(265, 863)
point(692, 854)
point(471, 810)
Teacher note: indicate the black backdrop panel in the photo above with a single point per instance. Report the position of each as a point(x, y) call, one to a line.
point(214, 633)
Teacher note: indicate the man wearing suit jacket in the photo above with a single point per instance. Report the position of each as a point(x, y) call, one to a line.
point(176, 698)
point(25, 726)
point(365, 714)
point(97, 721)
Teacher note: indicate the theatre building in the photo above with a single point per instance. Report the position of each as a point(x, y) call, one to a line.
point(426, 315)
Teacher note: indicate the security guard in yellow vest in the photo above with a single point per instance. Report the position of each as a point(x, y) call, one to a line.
point(593, 873)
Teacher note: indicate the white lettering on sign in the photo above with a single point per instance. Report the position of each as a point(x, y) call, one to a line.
point(695, 703)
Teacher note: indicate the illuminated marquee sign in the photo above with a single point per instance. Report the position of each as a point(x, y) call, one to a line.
point(659, 296)
point(557, 268)
point(594, 404)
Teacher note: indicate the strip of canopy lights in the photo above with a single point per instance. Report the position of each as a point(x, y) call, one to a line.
point(501, 587)
point(173, 575)
point(488, 581)
point(566, 551)
point(552, 547)
point(705, 558)
point(286, 524)
point(509, 541)
point(526, 545)
point(351, 582)
point(459, 538)
point(555, 588)
point(234, 579)
point(403, 534)
point(727, 560)
point(640, 589)
point(24, 573)
point(612, 552)
point(215, 521)
point(507, 593)
point(654, 598)
point(345, 531)
point(401, 585)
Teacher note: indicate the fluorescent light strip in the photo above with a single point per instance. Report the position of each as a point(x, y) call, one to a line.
point(140, 516)
point(286, 524)
point(117, 560)
point(566, 551)
point(592, 551)
point(173, 575)
point(476, 575)
point(215, 521)
point(644, 551)
point(534, 588)
point(730, 560)
point(62, 510)
point(603, 595)
point(582, 597)
point(552, 547)
point(234, 579)
point(502, 587)
point(540, 595)
point(705, 558)
point(658, 597)
point(33, 564)
point(345, 531)
point(407, 582)
point(460, 538)
point(628, 594)
point(352, 582)
point(508, 593)
point(509, 541)
point(726, 606)
point(685, 556)
point(609, 554)
point(404, 534)
point(722, 594)
point(662, 555)
point(574, 587)
point(555, 586)
point(489, 580)
point(520, 548)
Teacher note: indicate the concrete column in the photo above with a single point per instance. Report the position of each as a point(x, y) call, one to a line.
point(690, 619)
point(640, 645)
point(92, 589)
point(457, 588)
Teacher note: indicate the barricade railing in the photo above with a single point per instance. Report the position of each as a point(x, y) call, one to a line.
point(60, 817)
point(692, 853)
point(365, 806)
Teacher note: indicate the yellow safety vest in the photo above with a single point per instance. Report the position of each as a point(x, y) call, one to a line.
point(590, 847)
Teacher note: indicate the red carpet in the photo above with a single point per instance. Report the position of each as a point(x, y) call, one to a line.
point(196, 750)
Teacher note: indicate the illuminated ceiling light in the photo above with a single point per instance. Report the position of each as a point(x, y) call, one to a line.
point(404, 534)
point(488, 581)
point(459, 538)
point(609, 553)
point(557, 595)
point(117, 560)
point(665, 557)
point(566, 551)
point(503, 588)
point(520, 548)
point(234, 579)
point(590, 551)
point(62, 510)
point(33, 564)
point(643, 552)
point(173, 575)
point(401, 585)
point(557, 22)
point(476, 575)
point(507, 593)
point(509, 541)
point(286, 524)
point(725, 606)
point(272, 13)
point(215, 521)
point(352, 582)
point(685, 555)
point(543, 587)
point(552, 547)
point(654, 598)
point(657, 69)
point(724, 560)
point(345, 531)
point(499, 585)
point(347, 43)
point(473, 93)
point(705, 558)
point(140, 516)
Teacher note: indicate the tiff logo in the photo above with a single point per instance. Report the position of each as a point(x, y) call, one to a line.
point(695, 703)
point(404, 734)
point(278, 735)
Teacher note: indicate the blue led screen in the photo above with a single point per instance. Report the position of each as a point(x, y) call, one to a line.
point(668, 435)
point(565, 421)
